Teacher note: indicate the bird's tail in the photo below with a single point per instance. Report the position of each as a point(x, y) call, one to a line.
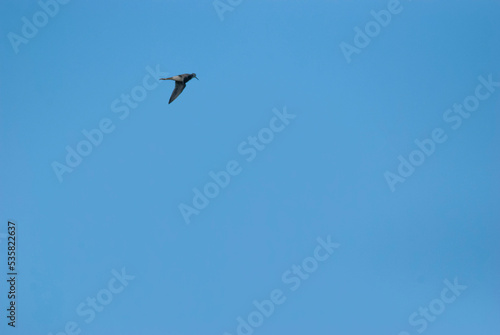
point(171, 78)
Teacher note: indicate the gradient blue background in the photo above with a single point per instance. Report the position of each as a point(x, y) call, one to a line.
point(323, 175)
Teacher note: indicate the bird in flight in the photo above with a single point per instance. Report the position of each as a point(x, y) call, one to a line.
point(180, 84)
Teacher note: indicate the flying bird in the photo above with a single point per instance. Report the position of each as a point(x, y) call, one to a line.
point(180, 84)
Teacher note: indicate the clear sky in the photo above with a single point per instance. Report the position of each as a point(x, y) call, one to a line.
point(335, 169)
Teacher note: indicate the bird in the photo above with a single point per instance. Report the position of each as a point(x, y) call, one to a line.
point(180, 84)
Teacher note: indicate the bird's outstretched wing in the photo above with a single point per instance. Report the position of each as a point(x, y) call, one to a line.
point(179, 87)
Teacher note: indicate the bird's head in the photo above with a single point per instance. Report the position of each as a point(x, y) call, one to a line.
point(194, 75)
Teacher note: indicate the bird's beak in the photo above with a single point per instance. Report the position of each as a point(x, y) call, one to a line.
point(196, 78)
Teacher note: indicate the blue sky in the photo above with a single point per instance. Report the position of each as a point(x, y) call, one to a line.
point(311, 229)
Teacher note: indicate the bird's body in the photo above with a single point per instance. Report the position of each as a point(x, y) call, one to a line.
point(180, 84)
